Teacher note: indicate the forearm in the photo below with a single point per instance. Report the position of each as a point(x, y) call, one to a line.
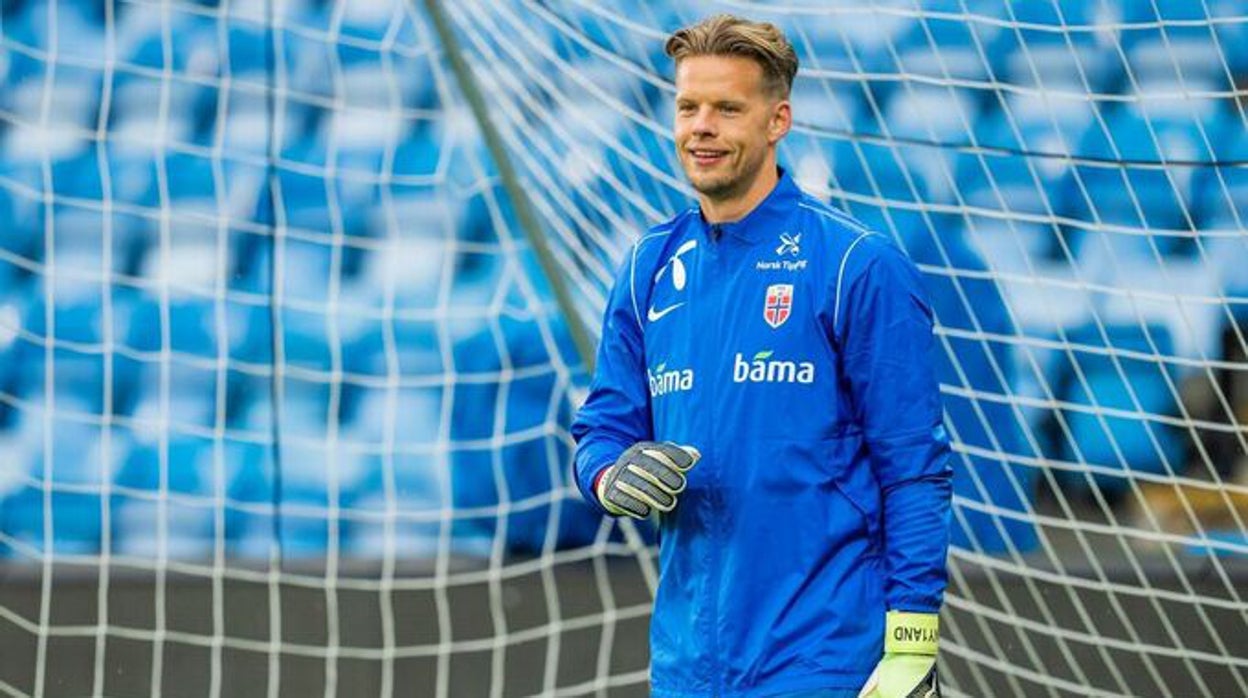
point(916, 522)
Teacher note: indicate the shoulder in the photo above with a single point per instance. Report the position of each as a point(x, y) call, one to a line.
point(856, 257)
point(828, 219)
point(647, 253)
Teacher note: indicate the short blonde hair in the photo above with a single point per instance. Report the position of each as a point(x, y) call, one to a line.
point(728, 35)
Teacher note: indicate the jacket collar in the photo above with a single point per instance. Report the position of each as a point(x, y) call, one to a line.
point(765, 220)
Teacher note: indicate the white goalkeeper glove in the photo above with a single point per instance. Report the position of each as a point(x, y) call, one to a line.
point(908, 669)
point(645, 478)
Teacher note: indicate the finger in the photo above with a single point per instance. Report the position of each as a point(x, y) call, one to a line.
point(649, 488)
point(630, 504)
point(662, 471)
point(694, 455)
point(682, 457)
point(872, 682)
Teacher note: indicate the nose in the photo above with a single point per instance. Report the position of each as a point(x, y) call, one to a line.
point(704, 123)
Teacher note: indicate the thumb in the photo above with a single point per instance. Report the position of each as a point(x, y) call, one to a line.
point(873, 682)
point(693, 452)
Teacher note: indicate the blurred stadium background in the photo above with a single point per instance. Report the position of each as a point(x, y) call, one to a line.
point(284, 389)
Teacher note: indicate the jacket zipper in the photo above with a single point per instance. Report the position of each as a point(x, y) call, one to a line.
point(717, 673)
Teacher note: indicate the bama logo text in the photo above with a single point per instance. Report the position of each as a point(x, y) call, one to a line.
point(763, 369)
point(664, 380)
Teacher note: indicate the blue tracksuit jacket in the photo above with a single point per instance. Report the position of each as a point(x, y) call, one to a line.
point(793, 348)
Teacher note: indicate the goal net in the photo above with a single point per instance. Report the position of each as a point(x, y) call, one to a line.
point(284, 389)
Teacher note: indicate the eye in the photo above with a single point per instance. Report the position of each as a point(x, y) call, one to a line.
point(730, 109)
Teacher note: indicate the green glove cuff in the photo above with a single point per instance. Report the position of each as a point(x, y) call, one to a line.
point(911, 633)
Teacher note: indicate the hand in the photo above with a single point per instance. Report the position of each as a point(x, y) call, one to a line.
point(908, 669)
point(645, 478)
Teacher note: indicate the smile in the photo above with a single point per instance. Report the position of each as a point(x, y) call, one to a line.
point(707, 157)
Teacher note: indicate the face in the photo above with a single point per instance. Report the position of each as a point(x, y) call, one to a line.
point(727, 125)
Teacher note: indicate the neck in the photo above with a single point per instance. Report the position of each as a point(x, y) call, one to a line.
point(730, 209)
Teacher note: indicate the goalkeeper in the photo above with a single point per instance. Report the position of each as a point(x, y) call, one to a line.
point(765, 387)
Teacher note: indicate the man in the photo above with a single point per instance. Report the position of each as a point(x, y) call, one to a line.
point(765, 386)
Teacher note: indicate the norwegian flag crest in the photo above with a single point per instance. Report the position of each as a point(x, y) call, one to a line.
point(778, 304)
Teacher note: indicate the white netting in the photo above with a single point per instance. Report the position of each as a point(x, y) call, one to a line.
point(1070, 178)
point(256, 253)
point(256, 261)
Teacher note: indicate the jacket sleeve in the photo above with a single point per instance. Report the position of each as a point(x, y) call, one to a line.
point(616, 413)
point(887, 352)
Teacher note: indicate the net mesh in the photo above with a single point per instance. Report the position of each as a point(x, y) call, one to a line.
point(1067, 175)
point(284, 398)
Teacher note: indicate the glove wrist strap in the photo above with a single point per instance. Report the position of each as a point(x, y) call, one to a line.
point(911, 633)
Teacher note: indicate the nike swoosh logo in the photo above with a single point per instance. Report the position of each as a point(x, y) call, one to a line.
point(653, 316)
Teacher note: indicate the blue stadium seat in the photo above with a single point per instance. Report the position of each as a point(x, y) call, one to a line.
point(1050, 298)
point(391, 349)
point(1222, 189)
point(1067, 13)
point(419, 153)
point(409, 485)
point(174, 499)
point(246, 54)
point(174, 352)
point(75, 469)
point(316, 476)
point(79, 30)
point(930, 123)
point(1079, 57)
point(829, 42)
point(148, 113)
point(1231, 35)
point(522, 470)
point(406, 273)
point(655, 153)
point(878, 170)
point(410, 347)
point(193, 177)
point(417, 409)
point(79, 177)
point(1224, 243)
point(248, 519)
point(177, 40)
point(307, 264)
point(945, 43)
point(310, 65)
point(824, 106)
point(1124, 184)
point(22, 214)
point(92, 244)
point(78, 354)
point(305, 14)
point(1047, 123)
point(1118, 442)
point(241, 124)
point(380, 19)
point(1169, 33)
point(1026, 146)
point(1184, 54)
point(183, 252)
point(1005, 180)
point(307, 403)
point(1011, 246)
point(73, 92)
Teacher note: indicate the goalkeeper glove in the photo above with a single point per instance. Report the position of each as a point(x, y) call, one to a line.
point(645, 478)
point(908, 669)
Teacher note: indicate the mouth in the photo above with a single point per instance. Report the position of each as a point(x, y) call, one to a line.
point(707, 157)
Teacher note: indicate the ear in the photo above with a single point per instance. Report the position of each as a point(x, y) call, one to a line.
point(781, 121)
